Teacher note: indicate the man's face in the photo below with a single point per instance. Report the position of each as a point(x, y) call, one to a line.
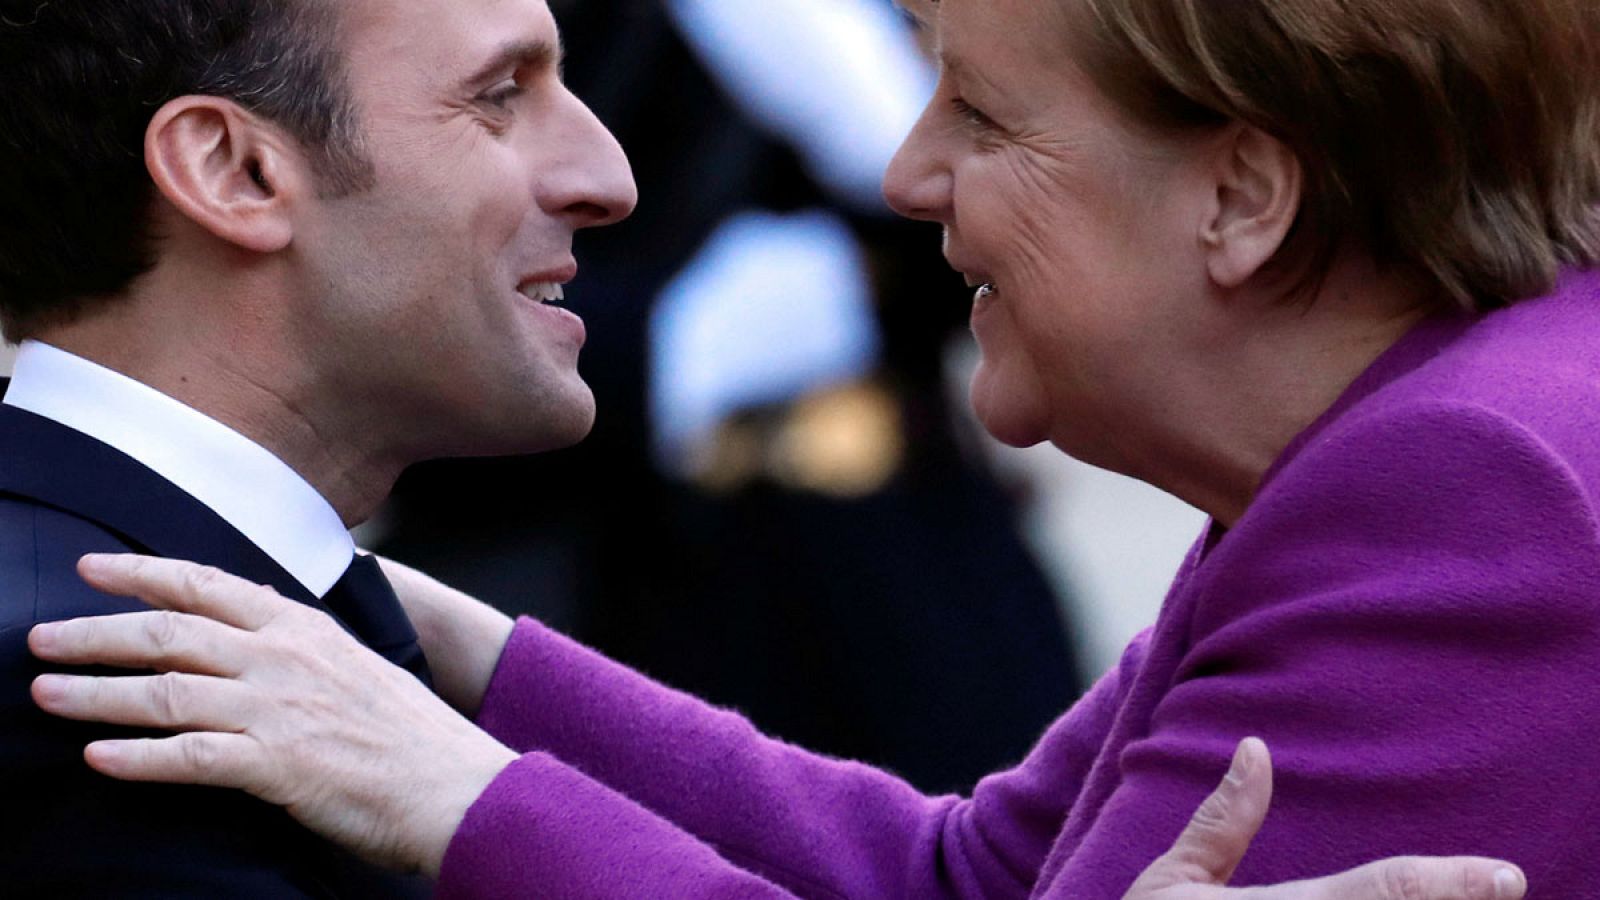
point(423, 294)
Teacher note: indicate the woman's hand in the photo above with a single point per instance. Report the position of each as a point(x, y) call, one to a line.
point(275, 698)
point(1210, 848)
point(461, 637)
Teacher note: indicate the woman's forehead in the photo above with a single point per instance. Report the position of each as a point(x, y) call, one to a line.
point(965, 32)
point(924, 11)
point(1026, 19)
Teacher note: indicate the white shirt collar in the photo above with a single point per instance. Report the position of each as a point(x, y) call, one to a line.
point(240, 480)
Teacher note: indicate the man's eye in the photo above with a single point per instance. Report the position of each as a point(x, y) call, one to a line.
point(501, 95)
point(971, 114)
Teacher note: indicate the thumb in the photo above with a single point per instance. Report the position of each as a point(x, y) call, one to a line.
point(1219, 833)
point(1406, 878)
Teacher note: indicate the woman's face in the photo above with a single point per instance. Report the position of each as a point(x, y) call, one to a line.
point(1080, 228)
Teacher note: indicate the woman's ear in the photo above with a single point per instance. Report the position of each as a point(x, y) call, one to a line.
point(1259, 184)
point(226, 170)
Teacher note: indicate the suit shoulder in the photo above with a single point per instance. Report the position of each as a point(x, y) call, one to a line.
point(39, 550)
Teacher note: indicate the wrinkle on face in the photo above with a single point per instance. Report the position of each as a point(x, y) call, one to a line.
point(1066, 209)
point(1052, 168)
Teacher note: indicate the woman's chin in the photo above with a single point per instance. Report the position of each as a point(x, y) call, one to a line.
point(1018, 439)
point(1004, 415)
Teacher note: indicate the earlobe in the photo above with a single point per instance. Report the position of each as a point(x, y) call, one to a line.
point(1258, 183)
point(223, 169)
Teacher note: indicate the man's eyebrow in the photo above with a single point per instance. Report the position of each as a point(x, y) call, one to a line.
point(536, 54)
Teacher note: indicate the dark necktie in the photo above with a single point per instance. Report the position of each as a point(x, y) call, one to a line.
point(364, 601)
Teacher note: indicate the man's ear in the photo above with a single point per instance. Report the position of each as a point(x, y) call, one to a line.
point(226, 170)
point(1259, 184)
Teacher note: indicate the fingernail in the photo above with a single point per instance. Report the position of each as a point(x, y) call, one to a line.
point(54, 687)
point(44, 635)
point(94, 563)
point(103, 752)
point(1509, 884)
point(1240, 765)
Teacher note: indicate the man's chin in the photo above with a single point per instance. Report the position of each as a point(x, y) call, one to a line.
point(559, 427)
point(535, 427)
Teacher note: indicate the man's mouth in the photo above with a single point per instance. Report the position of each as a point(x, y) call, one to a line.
point(542, 291)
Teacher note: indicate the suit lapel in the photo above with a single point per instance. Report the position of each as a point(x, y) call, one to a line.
point(54, 465)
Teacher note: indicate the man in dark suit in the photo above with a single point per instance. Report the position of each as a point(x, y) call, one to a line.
point(260, 257)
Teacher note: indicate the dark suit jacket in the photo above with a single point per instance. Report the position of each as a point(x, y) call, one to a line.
point(66, 831)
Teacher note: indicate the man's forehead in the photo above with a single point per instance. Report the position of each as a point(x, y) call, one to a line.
point(455, 18)
point(450, 40)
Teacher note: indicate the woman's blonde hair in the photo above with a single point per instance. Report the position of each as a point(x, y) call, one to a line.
point(1459, 137)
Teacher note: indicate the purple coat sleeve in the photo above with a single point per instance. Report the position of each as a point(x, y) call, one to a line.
point(1411, 619)
point(636, 790)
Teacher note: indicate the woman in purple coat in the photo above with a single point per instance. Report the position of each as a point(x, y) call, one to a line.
point(1321, 268)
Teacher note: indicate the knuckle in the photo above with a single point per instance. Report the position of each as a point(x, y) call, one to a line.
point(1213, 814)
point(306, 625)
point(80, 634)
point(89, 693)
point(201, 753)
point(304, 616)
point(282, 616)
point(200, 580)
point(167, 697)
point(275, 614)
point(163, 628)
point(1401, 880)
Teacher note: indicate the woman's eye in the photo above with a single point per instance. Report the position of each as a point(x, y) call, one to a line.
point(971, 114)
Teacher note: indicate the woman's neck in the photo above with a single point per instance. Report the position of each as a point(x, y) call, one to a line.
point(1240, 403)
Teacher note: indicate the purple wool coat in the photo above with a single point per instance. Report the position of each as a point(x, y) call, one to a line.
point(1409, 613)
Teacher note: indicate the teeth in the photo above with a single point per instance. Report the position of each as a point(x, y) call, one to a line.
point(543, 292)
point(984, 292)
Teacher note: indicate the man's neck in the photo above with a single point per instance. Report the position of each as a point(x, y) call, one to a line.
point(248, 486)
point(268, 402)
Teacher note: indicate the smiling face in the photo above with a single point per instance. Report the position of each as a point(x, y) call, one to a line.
point(424, 296)
point(1077, 229)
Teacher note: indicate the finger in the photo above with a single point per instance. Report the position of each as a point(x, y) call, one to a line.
point(1425, 878)
point(200, 757)
point(158, 639)
point(186, 587)
point(1219, 833)
point(174, 701)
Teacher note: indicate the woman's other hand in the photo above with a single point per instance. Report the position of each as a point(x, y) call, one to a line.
point(274, 698)
point(462, 637)
point(1210, 848)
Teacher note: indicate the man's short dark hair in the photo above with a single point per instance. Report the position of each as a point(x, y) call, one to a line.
point(80, 81)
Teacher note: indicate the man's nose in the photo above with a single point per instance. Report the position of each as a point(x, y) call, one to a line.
point(597, 186)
